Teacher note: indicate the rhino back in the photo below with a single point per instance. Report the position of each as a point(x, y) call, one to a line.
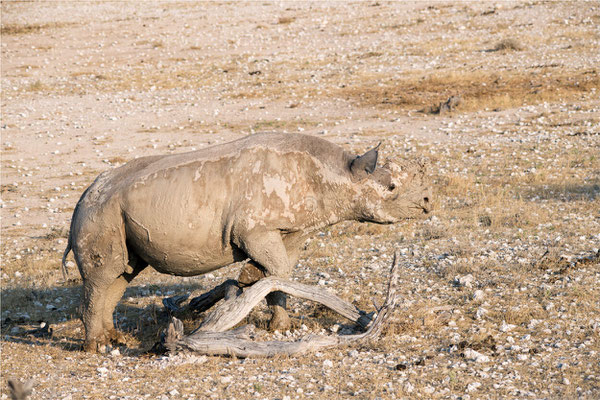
point(329, 154)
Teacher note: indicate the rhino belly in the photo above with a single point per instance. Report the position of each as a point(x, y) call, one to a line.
point(176, 257)
point(174, 244)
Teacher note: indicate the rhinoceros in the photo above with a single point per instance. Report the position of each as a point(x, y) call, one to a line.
point(255, 199)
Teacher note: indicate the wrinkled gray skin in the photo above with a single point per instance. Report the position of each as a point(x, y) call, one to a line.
point(256, 198)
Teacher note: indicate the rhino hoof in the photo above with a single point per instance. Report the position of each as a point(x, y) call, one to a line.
point(117, 338)
point(250, 274)
point(92, 346)
point(280, 322)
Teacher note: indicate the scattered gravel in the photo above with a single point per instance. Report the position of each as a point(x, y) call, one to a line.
point(499, 287)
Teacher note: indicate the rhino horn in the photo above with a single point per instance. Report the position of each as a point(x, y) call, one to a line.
point(367, 162)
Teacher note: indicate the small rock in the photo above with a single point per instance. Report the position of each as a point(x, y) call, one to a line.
point(327, 364)
point(465, 281)
point(102, 370)
point(533, 323)
point(226, 379)
point(174, 392)
point(401, 367)
point(506, 327)
point(473, 355)
point(563, 366)
point(473, 386)
point(480, 312)
point(478, 295)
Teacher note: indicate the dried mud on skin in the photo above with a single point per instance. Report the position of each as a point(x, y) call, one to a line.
point(499, 294)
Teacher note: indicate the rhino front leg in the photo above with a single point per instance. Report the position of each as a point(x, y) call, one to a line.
point(267, 250)
point(252, 273)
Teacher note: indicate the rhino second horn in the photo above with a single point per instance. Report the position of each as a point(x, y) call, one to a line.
point(367, 162)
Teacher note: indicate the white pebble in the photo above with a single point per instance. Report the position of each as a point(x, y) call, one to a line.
point(466, 280)
point(473, 355)
point(473, 386)
point(506, 327)
point(478, 295)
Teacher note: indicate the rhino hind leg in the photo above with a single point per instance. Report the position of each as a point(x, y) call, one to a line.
point(103, 264)
point(94, 297)
point(115, 293)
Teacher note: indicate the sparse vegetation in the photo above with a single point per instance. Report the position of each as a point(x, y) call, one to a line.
point(285, 20)
point(508, 44)
point(23, 29)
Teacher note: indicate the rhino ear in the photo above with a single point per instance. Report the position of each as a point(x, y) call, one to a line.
point(367, 162)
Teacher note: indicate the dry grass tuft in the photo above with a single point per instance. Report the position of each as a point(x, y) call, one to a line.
point(37, 86)
point(508, 44)
point(24, 29)
point(478, 90)
point(285, 20)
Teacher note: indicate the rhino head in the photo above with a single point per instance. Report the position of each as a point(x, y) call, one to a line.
point(395, 191)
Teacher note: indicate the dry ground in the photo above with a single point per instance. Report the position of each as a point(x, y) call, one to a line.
point(500, 288)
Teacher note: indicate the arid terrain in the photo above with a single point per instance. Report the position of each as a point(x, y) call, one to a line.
point(500, 286)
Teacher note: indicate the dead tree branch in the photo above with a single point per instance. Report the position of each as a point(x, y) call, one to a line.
point(213, 338)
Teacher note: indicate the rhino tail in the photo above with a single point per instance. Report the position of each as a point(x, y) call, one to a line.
point(65, 270)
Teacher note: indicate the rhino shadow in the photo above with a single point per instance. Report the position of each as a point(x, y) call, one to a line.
point(58, 308)
point(145, 322)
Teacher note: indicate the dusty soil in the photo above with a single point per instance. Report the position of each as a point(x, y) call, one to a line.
point(501, 286)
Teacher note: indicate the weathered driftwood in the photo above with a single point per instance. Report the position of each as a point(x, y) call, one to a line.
point(229, 313)
point(225, 290)
point(211, 338)
point(173, 304)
